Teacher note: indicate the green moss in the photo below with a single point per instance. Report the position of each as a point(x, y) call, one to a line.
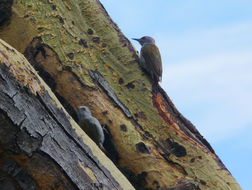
point(64, 25)
point(62, 28)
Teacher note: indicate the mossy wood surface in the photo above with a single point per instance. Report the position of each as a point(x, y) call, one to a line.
point(86, 60)
point(41, 147)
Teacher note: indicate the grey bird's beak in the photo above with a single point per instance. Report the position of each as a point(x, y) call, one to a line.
point(135, 39)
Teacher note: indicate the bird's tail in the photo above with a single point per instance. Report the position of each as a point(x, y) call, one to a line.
point(155, 87)
point(103, 149)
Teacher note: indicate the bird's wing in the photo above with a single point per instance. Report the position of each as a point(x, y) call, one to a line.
point(95, 128)
point(152, 57)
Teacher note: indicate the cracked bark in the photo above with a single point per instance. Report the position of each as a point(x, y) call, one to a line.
point(38, 138)
point(86, 60)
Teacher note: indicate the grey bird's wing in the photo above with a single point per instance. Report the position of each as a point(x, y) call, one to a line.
point(94, 129)
point(152, 57)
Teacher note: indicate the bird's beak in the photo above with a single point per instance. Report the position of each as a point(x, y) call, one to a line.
point(135, 39)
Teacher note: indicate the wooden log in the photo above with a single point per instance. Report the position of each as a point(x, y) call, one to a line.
point(86, 60)
point(41, 146)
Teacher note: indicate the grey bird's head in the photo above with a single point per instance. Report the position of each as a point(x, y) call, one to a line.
point(83, 111)
point(145, 40)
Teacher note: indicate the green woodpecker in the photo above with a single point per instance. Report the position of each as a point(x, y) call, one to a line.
point(150, 58)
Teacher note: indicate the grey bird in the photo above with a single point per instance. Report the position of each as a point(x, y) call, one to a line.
point(90, 125)
point(150, 58)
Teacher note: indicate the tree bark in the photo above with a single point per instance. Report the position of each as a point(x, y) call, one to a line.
point(41, 146)
point(86, 60)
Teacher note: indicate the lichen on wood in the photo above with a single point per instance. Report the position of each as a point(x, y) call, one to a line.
point(40, 133)
point(156, 144)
